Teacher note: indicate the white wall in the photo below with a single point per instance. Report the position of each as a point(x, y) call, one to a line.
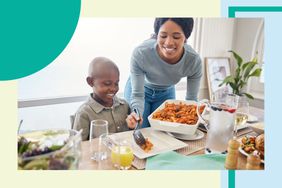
point(216, 39)
point(246, 30)
point(249, 38)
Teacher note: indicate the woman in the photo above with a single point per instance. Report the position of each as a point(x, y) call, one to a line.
point(159, 63)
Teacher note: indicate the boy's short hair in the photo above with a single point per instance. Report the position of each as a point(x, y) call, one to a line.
point(100, 62)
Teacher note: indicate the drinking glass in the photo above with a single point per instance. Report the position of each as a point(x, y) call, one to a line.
point(97, 128)
point(104, 149)
point(122, 155)
point(241, 116)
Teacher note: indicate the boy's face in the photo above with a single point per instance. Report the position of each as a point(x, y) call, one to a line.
point(106, 86)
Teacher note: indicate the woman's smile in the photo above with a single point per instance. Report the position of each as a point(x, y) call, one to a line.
point(169, 50)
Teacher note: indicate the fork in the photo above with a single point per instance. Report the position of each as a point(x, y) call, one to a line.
point(137, 135)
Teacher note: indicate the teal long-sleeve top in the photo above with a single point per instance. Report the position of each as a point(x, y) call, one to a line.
point(148, 69)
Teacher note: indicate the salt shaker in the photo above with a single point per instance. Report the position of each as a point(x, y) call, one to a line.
point(253, 162)
point(232, 155)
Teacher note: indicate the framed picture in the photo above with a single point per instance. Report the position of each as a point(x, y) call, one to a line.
point(217, 68)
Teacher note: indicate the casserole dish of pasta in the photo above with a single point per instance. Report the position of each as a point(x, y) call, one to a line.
point(176, 116)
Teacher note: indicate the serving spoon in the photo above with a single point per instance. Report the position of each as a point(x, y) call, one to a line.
point(137, 135)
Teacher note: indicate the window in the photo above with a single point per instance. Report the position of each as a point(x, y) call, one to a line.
point(114, 38)
point(256, 85)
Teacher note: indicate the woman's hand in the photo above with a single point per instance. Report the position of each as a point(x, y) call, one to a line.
point(132, 119)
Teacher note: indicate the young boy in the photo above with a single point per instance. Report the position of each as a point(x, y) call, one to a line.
point(103, 77)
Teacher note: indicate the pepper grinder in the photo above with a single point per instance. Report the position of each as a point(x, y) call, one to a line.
point(232, 155)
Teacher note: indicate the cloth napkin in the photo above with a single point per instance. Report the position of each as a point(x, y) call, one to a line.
point(174, 161)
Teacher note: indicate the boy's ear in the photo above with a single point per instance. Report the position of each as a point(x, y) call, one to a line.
point(90, 81)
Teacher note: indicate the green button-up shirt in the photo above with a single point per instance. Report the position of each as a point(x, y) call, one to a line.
point(92, 110)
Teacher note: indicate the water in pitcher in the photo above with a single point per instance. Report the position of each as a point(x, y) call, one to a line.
point(220, 129)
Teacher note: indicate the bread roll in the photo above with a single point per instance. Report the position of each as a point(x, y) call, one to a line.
point(260, 143)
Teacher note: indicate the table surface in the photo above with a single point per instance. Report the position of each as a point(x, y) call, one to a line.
point(87, 164)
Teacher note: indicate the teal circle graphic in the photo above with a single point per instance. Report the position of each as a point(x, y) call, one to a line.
point(34, 33)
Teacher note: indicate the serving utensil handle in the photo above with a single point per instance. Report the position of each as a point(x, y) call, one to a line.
point(136, 111)
point(201, 118)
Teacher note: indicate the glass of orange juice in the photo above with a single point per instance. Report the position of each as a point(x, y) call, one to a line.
point(122, 155)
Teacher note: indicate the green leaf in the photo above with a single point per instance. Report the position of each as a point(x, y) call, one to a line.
point(248, 95)
point(234, 87)
point(245, 65)
point(255, 59)
point(55, 147)
point(241, 84)
point(249, 68)
point(236, 79)
point(227, 80)
point(237, 57)
point(256, 73)
point(237, 75)
point(24, 147)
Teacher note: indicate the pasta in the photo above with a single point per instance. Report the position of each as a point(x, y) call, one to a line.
point(147, 146)
point(179, 113)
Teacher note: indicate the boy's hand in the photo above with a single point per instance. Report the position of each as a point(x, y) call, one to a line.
point(132, 119)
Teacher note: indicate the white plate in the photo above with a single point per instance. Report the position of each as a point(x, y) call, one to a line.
point(246, 154)
point(252, 118)
point(258, 127)
point(162, 142)
point(239, 127)
point(197, 136)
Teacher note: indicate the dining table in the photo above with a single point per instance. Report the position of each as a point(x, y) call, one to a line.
point(86, 163)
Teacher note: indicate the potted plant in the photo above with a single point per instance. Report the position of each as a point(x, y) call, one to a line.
point(243, 72)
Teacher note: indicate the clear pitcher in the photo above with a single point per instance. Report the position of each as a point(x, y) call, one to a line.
point(220, 124)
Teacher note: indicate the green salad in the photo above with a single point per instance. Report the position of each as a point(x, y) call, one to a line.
point(48, 150)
